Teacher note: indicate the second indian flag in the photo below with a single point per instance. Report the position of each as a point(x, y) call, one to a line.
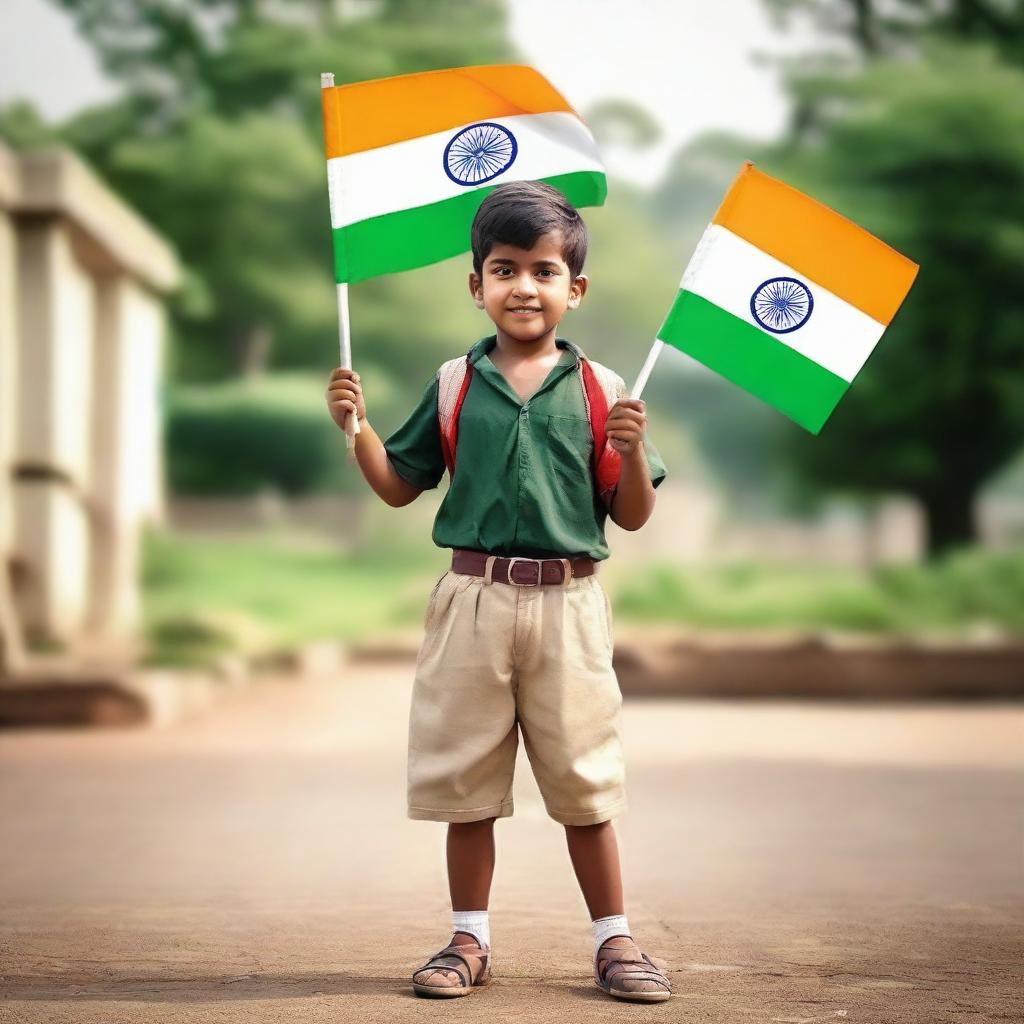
point(785, 297)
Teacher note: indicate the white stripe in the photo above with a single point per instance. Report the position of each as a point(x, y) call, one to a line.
point(727, 270)
point(411, 173)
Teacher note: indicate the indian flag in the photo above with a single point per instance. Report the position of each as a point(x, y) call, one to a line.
point(785, 297)
point(410, 159)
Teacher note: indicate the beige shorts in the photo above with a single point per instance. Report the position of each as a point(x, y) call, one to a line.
point(497, 658)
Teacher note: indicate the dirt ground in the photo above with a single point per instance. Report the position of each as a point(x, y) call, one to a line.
point(793, 862)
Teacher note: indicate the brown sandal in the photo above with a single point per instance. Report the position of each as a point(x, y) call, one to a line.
point(471, 963)
point(632, 968)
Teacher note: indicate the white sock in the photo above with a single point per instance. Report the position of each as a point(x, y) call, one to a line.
point(474, 922)
point(605, 927)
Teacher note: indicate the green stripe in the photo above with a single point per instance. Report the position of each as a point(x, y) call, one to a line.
point(426, 234)
point(757, 362)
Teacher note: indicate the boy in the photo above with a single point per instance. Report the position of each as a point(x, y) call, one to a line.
point(518, 631)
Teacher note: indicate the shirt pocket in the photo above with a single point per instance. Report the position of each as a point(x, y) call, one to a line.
point(570, 450)
point(570, 440)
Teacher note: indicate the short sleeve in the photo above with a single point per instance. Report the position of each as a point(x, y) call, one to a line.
point(655, 463)
point(415, 447)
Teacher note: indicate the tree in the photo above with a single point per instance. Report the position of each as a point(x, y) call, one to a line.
point(879, 28)
point(928, 155)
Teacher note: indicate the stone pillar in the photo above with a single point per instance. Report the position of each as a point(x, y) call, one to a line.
point(11, 650)
point(79, 398)
point(126, 446)
point(53, 449)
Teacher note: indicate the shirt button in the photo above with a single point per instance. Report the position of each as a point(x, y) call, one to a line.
point(525, 411)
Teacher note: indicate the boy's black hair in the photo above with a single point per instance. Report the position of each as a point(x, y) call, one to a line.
point(518, 213)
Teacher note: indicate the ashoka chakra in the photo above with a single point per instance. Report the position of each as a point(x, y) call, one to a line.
point(479, 153)
point(782, 304)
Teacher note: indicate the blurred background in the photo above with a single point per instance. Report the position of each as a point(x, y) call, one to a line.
point(182, 531)
point(175, 484)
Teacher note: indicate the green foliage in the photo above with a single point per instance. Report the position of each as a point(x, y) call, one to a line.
point(963, 592)
point(928, 155)
point(244, 437)
point(206, 597)
point(21, 126)
point(890, 26)
point(633, 278)
point(616, 122)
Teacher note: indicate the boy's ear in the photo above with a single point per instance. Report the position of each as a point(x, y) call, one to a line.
point(476, 289)
point(577, 290)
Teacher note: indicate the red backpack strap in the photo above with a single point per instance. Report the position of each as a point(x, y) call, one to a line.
point(452, 384)
point(601, 389)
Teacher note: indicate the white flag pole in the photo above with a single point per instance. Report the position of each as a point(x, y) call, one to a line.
point(345, 344)
point(344, 326)
point(645, 370)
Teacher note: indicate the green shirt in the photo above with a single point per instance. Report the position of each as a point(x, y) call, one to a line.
point(523, 482)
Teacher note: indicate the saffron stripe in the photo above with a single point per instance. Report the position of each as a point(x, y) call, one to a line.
point(817, 242)
point(384, 111)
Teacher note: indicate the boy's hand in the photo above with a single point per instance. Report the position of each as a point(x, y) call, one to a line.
point(345, 395)
point(626, 424)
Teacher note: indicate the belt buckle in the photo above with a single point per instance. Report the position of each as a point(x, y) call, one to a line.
point(516, 558)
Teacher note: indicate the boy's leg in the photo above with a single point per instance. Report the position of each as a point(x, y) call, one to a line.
point(462, 715)
point(569, 705)
point(470, 851)
point(594, 853)
point(462, 748)
point(470, 863)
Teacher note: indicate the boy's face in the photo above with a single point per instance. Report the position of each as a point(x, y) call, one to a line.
point(527, 291)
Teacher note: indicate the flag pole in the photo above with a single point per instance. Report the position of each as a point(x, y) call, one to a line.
point(344, 325)
point(345, 344)
point(645, 370)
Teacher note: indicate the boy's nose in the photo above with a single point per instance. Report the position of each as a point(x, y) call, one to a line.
point(525, 286)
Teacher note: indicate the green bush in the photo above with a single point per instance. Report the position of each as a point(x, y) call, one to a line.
point(242, 437)
point(963, 590)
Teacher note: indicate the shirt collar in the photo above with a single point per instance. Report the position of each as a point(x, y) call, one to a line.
point(571, 353)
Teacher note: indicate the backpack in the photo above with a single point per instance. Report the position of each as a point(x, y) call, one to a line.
point(601, 389)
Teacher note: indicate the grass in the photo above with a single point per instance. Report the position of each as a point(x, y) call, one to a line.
point(963, 592)
point(203, 598)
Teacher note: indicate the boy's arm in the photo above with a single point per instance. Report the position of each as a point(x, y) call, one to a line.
point(633, 500)
point(642, 469)
point(380, 474)
point(345, 396)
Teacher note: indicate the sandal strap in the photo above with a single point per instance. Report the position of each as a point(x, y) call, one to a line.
point(459, 953)
point(634, 970)
point(641, 967)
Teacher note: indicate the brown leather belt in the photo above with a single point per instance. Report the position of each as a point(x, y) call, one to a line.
point(523, 572)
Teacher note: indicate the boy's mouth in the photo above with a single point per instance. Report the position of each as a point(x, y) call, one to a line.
point(524, 309)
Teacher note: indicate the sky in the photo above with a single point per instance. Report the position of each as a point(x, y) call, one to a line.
point(688, 63)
